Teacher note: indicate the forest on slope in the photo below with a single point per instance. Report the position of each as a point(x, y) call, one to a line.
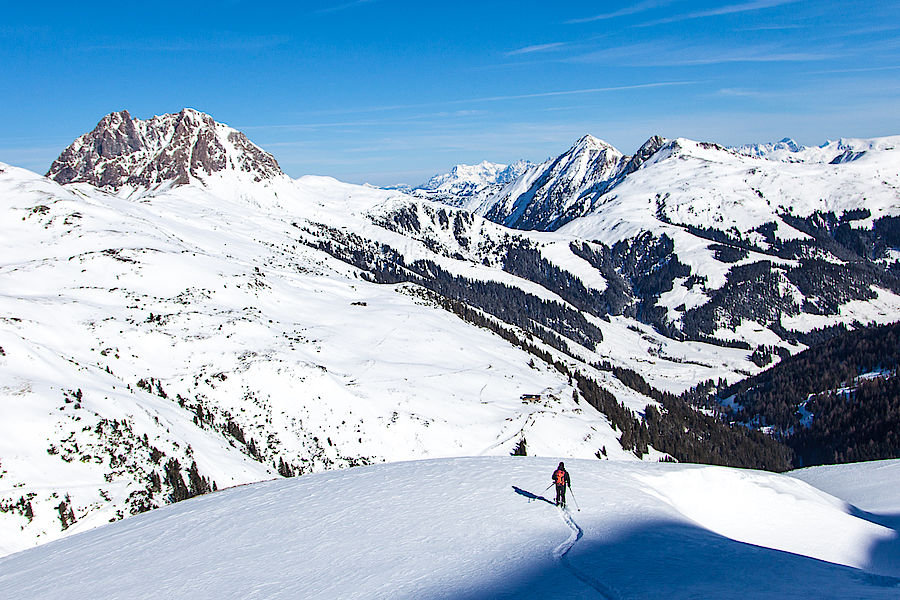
point(838, 401)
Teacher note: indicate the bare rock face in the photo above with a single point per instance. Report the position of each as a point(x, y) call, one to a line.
point(644, 152)
point(179, 148)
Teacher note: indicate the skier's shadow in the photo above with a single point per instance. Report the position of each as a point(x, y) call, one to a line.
point(531, 496)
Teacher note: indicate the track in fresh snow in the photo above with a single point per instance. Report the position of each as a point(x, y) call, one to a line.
point(561, 553)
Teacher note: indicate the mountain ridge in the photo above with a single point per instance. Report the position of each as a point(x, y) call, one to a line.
point(571, 185)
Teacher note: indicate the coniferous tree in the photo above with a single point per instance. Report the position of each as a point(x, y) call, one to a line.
point(521, 448)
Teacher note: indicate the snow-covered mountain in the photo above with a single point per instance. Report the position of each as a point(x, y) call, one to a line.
point(814, 239)
point(185, 340)
point(484, 528)
point(547, 193)
point(592, 173)
point(158, 342)
point(177, 315)
point(785, 150)
point(834, 152)
point(482, 174)
point(467, 186)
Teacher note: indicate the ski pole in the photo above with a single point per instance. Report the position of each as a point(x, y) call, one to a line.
point(573, 498)
point(550, 486)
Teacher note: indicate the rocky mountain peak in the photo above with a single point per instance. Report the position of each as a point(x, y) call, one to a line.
point(590, 141)
point(591, 144)
point(590, 158)
point(648, 149)
point(122, 151)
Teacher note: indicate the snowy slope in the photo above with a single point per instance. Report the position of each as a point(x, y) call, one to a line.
point(469, 246)
point(193, 326)
point(870, 486)
point(872, 493)
point(479, 528)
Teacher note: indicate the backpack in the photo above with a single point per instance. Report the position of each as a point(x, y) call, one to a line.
point(559, 477)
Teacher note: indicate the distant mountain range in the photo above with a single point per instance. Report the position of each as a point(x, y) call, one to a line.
point(178, 315)
point(548, 195)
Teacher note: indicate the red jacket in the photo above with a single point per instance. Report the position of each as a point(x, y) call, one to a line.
point(561, 474)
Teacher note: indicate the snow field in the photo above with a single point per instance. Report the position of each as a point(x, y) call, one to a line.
point(868, 485)
point(872, 492)
point(475, 528)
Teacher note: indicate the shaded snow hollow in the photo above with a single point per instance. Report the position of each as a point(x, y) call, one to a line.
point(484, 528)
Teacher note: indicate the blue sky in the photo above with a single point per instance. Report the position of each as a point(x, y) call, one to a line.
point(389, 91)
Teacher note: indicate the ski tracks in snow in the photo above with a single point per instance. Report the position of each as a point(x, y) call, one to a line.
point(561, 554)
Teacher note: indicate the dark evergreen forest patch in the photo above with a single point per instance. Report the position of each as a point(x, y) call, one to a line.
point(852, 419)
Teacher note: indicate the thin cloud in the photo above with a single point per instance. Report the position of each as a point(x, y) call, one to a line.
point(756, 94)
point(669, 54)
point(345, 6)
point(622, 12)
point(752, 58)
point(772, 27)
point(739, 92)
point(856, 70)
point(869, 30)
point(722, 10)
point(535, 48)
point(576, 92)
point(457, 114)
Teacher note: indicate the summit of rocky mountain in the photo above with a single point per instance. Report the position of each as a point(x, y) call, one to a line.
point(180, 148)
point(546, 195)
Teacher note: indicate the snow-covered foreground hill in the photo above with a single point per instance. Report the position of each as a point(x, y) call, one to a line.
point(483, 528)
point(871, 486)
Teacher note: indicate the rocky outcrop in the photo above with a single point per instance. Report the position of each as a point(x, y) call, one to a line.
point(175, 148)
